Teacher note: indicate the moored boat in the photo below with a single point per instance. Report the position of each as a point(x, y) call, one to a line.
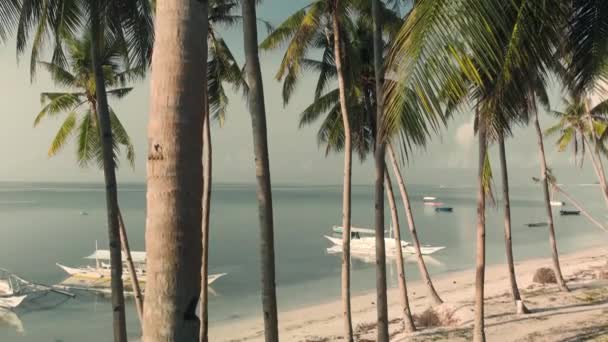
point(444, 209)
point(537, 224)
point(569, 212)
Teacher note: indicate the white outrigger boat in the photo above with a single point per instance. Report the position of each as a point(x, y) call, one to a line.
point(367, 244)
point(14, 290)
point(102, 271)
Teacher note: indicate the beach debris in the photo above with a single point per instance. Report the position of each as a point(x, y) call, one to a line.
point(544, 275)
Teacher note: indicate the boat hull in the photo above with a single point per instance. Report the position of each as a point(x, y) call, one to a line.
point(11, 302)
point(369, 245)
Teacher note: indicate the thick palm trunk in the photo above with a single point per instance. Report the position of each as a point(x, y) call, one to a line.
point(139, 298)
point(109, 169)
point(479, 328)
point(346, 197)
point(412, 226)
point(207, 173)
point(174, 168)
point(408, 321)
point(521, 308)
point(381, 296)
point(262, 169)
point(578, 206)
point(545, 184)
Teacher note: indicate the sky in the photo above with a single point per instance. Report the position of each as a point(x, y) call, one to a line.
point(295, 157)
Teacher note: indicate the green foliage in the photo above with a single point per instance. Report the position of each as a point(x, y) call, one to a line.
point(80, 105)
point(9, 12)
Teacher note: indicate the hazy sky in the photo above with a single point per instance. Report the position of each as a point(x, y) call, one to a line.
point(449, 159)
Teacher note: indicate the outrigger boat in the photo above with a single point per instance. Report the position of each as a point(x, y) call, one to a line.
point(367, 244)
point(102, 271)
point(14, 290)
point(444, 209)
point(569, 212)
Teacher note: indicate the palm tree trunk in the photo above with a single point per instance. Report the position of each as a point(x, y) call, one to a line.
point(174, 169)
point(346, 197)
point(381, 300)
point(412, 226)
point(118, 300)
point(521, 308)
point(408, 321)
point(578, 206)
point(479, 328)
point(139, 298)
point(207, 173)
point(262, 169)
point(545, 184)
point(598, 166)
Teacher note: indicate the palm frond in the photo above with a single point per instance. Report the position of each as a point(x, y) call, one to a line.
point(58, 103)
point(63, 134)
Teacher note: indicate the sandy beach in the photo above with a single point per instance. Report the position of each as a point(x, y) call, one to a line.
point(555, 316)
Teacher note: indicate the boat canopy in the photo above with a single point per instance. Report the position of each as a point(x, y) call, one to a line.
point(104, 254)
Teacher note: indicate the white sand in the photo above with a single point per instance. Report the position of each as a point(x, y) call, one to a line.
point(578, 315)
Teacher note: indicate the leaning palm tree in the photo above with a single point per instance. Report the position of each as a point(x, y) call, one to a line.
point(262, 169)
point(477, 60)
point(584, 128)
point(130, 22)
point(408, 321)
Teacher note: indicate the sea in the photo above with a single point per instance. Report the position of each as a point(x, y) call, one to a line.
point(47, 223)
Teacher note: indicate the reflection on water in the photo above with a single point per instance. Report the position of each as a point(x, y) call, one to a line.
point(46, 220)
point(10, 320)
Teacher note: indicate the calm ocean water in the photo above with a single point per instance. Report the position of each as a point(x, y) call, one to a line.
point(42, 225)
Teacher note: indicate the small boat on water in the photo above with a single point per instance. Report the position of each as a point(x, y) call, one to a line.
point(14, 290)
point(444, 209)
point(353, 229)
point(102, 271)
point(433, 204)
point(429, 198)
point(569, 212)
point(367, 244)
point(537, 224)
point(557, 203)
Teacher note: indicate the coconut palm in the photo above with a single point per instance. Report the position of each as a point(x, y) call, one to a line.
point(324, 24)
point(488, 64)
point(222, 69)
point(583, 128)
point(174, 206)
point(130, 22)
point(257, 111)
point(78, 104)
point(381, 175)
point(408, 321)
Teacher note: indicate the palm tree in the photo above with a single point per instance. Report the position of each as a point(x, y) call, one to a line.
point(79, 102)
point(581, 126)
point(221, 68)
point(412, 226)
point(325, 24)
point(381, 174)
point(521, 308)
point(81, 122)
point(174, 206)
point(408, 321)
point(130, 22)
point(262, 169)
point(488, 63)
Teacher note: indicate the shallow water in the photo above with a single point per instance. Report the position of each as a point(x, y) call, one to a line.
point(42, 225)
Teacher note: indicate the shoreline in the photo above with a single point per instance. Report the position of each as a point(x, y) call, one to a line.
point(323, 322)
